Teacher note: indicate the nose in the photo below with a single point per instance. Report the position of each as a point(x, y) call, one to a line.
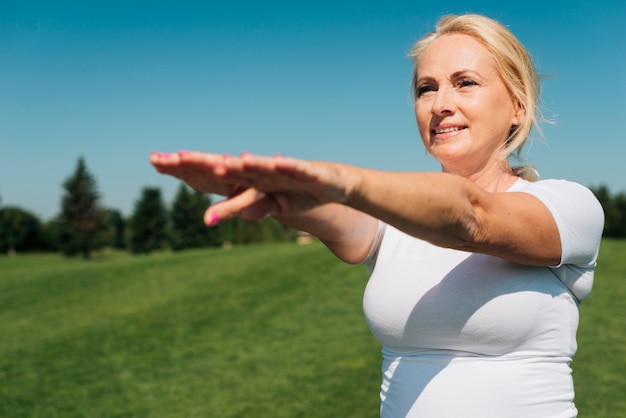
point(443, 103)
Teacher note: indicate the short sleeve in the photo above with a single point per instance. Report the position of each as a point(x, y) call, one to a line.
point(370, 260)
point(580, 221)
point(578, 215)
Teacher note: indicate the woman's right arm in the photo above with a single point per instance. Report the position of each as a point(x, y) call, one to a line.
point(347, 232)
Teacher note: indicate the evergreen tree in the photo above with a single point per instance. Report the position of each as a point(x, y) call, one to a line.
point(149, 223)
point(81, 217)
point(188, 229)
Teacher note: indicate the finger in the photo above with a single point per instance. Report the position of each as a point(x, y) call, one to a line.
point(260, 172)
point(234, 170)
point(169, 164)
point(196, 169)
point(207, 160)
point(163, 160)
point(287, 167)
point(187, 158)
point(259, 210)
point(246, 202)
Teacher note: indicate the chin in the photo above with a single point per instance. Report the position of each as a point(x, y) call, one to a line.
point(445, 154)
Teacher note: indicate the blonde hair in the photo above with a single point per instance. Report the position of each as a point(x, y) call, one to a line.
point(513, 63)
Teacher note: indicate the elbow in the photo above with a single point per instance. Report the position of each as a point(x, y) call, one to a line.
point(348, 255)
point(466, 232)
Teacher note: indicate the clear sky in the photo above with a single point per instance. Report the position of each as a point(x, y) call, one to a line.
point(113, 80)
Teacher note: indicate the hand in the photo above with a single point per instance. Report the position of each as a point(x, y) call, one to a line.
point(257, 186)
point(321, 182)
point(197, 172)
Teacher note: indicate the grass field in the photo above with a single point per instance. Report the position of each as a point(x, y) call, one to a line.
point(600, 364)
point(272, 330)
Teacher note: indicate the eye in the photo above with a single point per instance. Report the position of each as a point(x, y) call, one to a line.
point(423, 89)
point(466, 82)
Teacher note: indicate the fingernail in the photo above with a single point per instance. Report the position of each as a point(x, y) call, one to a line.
point(213, 219)
point(279, 156)
point(219, 170)
point(182, 152)
point(162, 154)
point(244, 153)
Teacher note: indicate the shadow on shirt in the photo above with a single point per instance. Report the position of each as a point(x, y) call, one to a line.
point(484, 307)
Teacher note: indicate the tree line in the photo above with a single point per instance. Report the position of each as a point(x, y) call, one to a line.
point(614, 206)
point(84, 225)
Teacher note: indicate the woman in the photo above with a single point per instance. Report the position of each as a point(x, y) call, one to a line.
point(477, 273)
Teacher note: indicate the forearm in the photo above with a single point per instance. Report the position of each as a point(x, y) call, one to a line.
point(436, 207)
point(348, 233)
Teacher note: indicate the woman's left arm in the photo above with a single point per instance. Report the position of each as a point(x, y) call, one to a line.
point(444, 209)
point(451, 211)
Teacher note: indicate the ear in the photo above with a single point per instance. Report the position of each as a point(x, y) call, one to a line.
point(519, 115)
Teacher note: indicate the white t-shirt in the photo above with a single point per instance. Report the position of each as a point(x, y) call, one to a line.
point(472, 335)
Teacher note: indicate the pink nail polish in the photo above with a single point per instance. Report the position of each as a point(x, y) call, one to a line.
point(219, 170)
point(182, 152)
point(163, 154)
point(213, 219)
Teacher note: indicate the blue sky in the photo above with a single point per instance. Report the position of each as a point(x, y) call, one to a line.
point(111, 81)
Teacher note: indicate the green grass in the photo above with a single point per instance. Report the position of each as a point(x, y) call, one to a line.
point(272, 330)
point(600, 364)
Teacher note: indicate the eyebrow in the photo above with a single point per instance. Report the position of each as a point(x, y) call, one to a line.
point(454, 75)
point(460, 73)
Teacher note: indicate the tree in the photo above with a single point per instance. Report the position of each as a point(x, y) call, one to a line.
point(614, 211)
point(188, 230)
point(81, 217)
point(241, 231)
point(114, 231)
point(49, 235)
point(618, 216)
point(19, 230)
point(149, 223)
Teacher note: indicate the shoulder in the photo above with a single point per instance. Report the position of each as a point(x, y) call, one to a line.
point(577, 212)
point(563, 195)
point(559, 186)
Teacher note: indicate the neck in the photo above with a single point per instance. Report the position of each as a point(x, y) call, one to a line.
point(496, 177)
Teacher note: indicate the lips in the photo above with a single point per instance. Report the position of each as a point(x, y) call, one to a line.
point(439, 131)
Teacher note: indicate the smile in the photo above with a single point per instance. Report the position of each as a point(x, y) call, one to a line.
point(448, 130)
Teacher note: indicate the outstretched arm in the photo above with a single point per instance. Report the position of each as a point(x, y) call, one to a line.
point(445, 209)
point(347, 232)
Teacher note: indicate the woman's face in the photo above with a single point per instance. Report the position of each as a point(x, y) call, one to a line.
point(464, 111)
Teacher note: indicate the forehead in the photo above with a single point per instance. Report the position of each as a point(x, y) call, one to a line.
point(455, 52)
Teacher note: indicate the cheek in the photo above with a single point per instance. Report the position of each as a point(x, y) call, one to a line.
point(504, 104)
point(423, 119)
